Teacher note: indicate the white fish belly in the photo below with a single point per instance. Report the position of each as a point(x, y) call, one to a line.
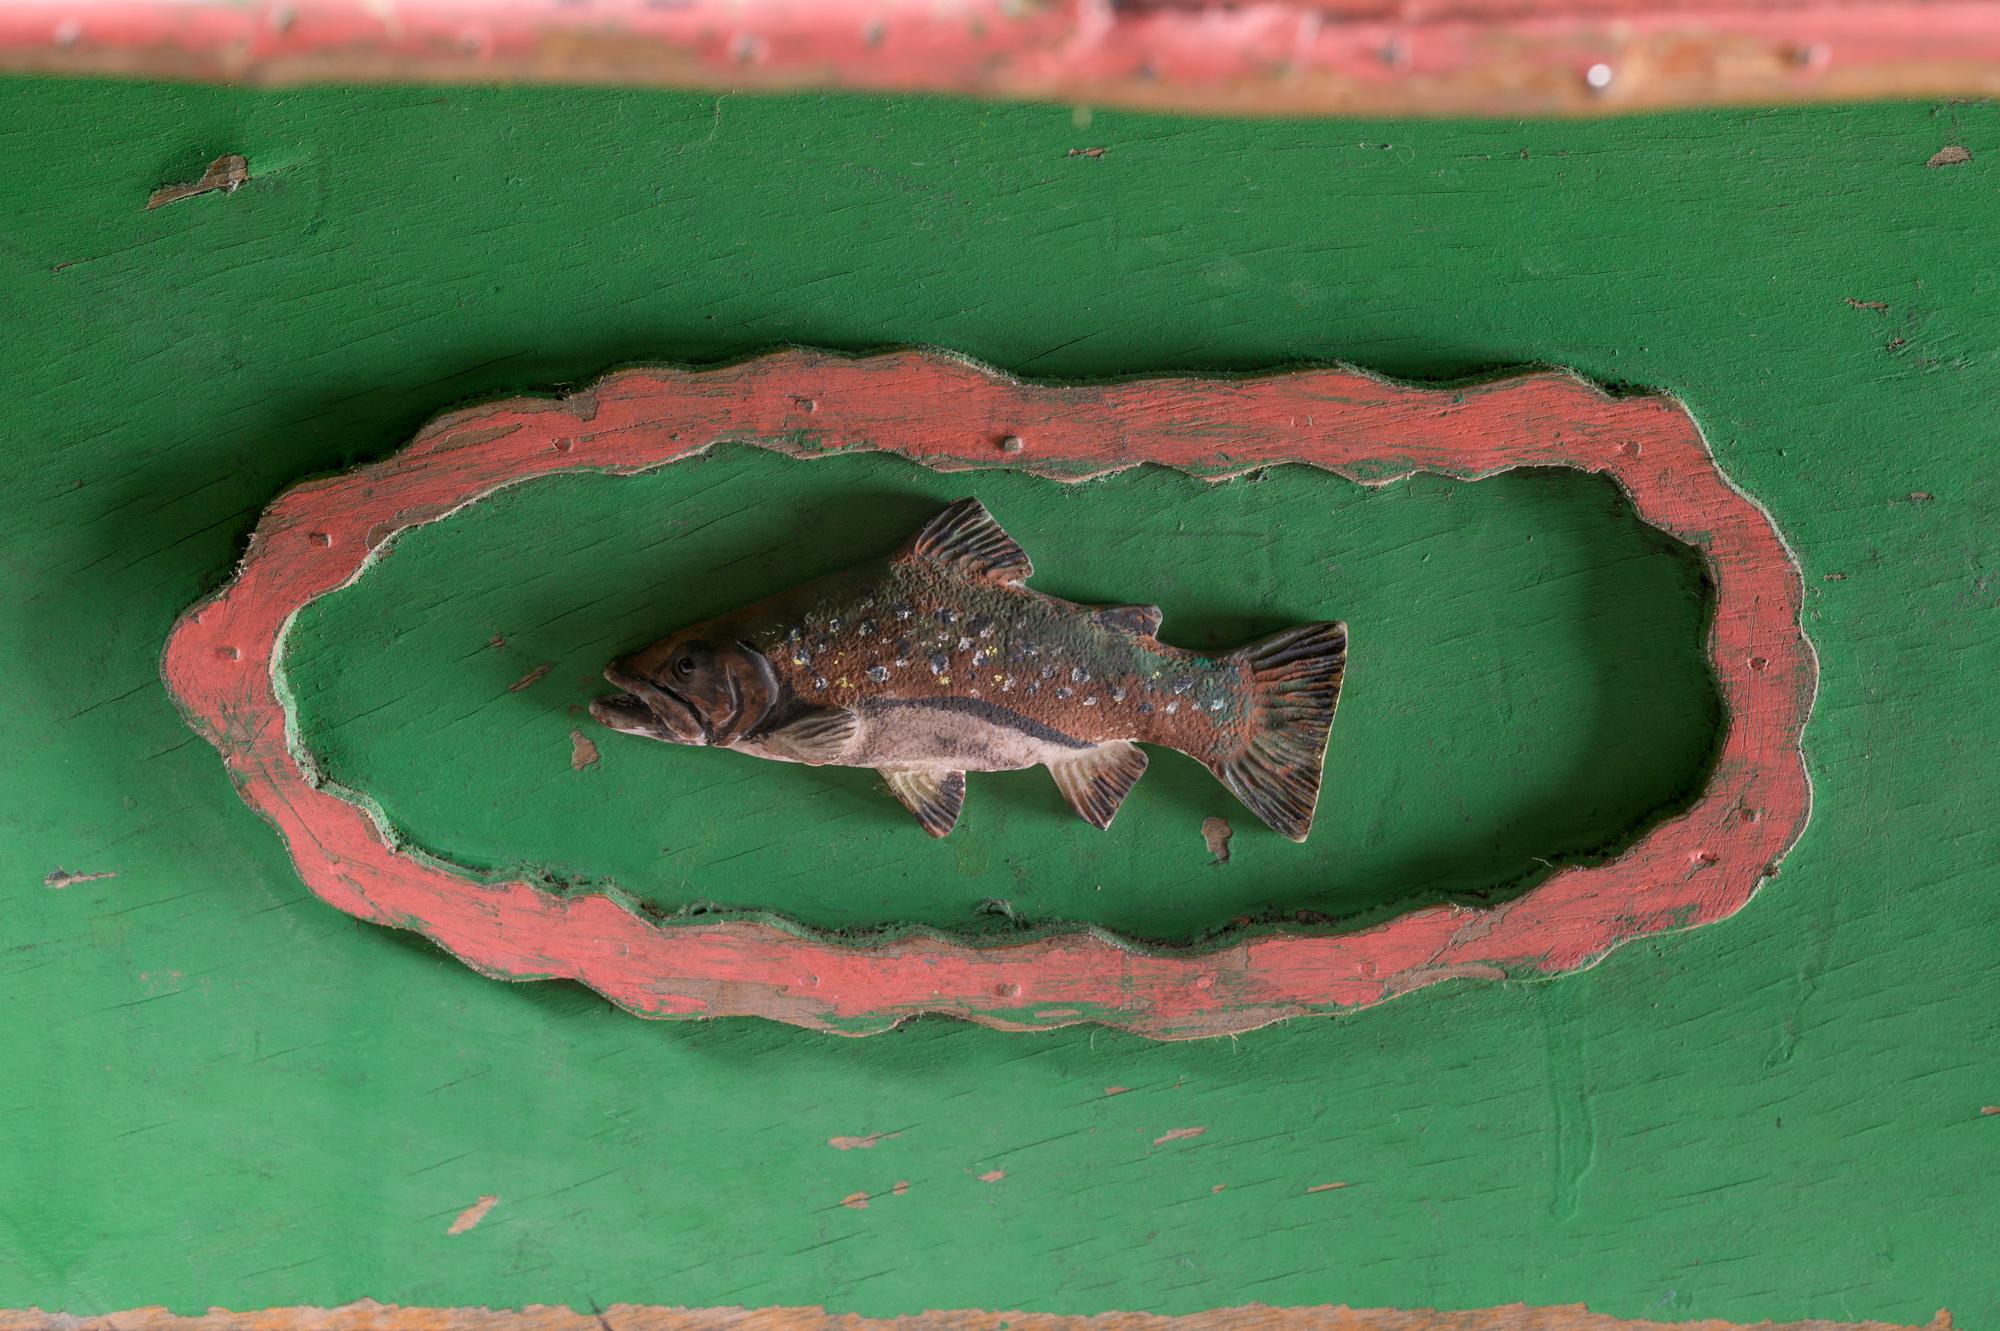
point(952, 736)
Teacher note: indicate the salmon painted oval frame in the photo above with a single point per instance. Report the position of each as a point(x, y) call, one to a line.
point(950, 414)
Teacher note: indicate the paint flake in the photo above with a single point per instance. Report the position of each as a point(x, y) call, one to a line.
point(225, 173)
point(1177, 1134)
point(473, 1214)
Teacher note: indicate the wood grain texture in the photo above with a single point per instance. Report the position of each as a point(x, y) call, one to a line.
point(370, 1316)
point(1269, 57)
point(947, 414)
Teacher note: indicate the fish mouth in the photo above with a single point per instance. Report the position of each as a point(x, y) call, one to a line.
point(654, 712)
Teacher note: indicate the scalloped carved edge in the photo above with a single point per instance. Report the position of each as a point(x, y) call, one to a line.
point(948, 413)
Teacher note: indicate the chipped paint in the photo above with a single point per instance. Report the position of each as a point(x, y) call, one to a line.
point(226, 174)
point(532, 678)
point(473, 1214)
point(59, 879)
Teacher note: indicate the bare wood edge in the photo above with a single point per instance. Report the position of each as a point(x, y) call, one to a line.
point(948, 413)
point(370, 1316)
point(1248, 57)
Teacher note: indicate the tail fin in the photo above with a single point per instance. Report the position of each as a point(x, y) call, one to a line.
point(1294, 684)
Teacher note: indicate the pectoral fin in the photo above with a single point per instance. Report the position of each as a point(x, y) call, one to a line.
point(1096, 781)
point(816, 737)
point(934, 796)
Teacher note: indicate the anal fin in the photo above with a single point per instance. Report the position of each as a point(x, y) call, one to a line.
point(1096, 781)
point(935, 797)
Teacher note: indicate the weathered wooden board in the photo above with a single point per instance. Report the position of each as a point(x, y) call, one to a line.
point(219, 1091)
point(223, 666)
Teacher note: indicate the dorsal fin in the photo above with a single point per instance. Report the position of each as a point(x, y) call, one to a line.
point(966, 536)
point(1143, 620)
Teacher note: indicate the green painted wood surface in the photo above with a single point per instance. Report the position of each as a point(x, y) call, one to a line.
point(218, 1091)
point(1536, 691)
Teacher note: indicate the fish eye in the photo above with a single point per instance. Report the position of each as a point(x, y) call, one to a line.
point(684, 667)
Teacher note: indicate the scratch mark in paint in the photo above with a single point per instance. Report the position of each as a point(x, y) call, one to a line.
point(473, 1214)
point(532, 678)
point(1116, 1090)
point(1325, 1187)
point(993, 1176)
point(60, 878)
point(861, 1143)
point(1571, 1112)
point(902, 1186)
point(855, 1201)
point(1177, 1134)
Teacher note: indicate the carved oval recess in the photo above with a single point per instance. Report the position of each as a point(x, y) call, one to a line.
point(945, 413)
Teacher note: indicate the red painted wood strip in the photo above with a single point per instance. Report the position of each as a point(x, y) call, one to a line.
point(1248, 56)
point(370, 1316)
point(949, 414)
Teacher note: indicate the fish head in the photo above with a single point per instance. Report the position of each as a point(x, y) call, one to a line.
point(696, 687)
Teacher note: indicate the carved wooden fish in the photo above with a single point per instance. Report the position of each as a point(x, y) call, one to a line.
point(937, 661)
